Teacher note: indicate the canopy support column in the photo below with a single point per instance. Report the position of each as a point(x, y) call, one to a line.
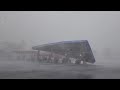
point(84, 58)
point(51, 56)
point(84, 62)
point(38, 53)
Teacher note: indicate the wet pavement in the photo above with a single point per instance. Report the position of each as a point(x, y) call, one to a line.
point(34, 70)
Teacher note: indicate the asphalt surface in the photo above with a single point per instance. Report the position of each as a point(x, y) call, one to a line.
point(14, 69)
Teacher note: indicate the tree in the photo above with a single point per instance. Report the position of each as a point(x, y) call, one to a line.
point(10, 46)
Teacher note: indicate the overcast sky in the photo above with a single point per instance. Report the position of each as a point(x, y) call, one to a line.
point(100, 28)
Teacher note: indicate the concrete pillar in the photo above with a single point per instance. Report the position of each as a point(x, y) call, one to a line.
point(51, 56)
point(38, 55)
point(84, 62)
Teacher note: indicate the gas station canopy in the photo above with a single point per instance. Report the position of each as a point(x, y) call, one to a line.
point(73, 49)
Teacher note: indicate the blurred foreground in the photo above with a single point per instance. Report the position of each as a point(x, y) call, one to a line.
point(15, 69)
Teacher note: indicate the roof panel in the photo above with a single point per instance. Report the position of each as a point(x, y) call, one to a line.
point(73, 48)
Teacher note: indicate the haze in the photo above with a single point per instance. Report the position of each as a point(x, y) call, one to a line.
point(100, 28)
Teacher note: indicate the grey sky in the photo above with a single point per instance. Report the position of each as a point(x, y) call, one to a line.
point(100, 28)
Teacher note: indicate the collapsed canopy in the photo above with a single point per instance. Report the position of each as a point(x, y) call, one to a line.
point(72, 48)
